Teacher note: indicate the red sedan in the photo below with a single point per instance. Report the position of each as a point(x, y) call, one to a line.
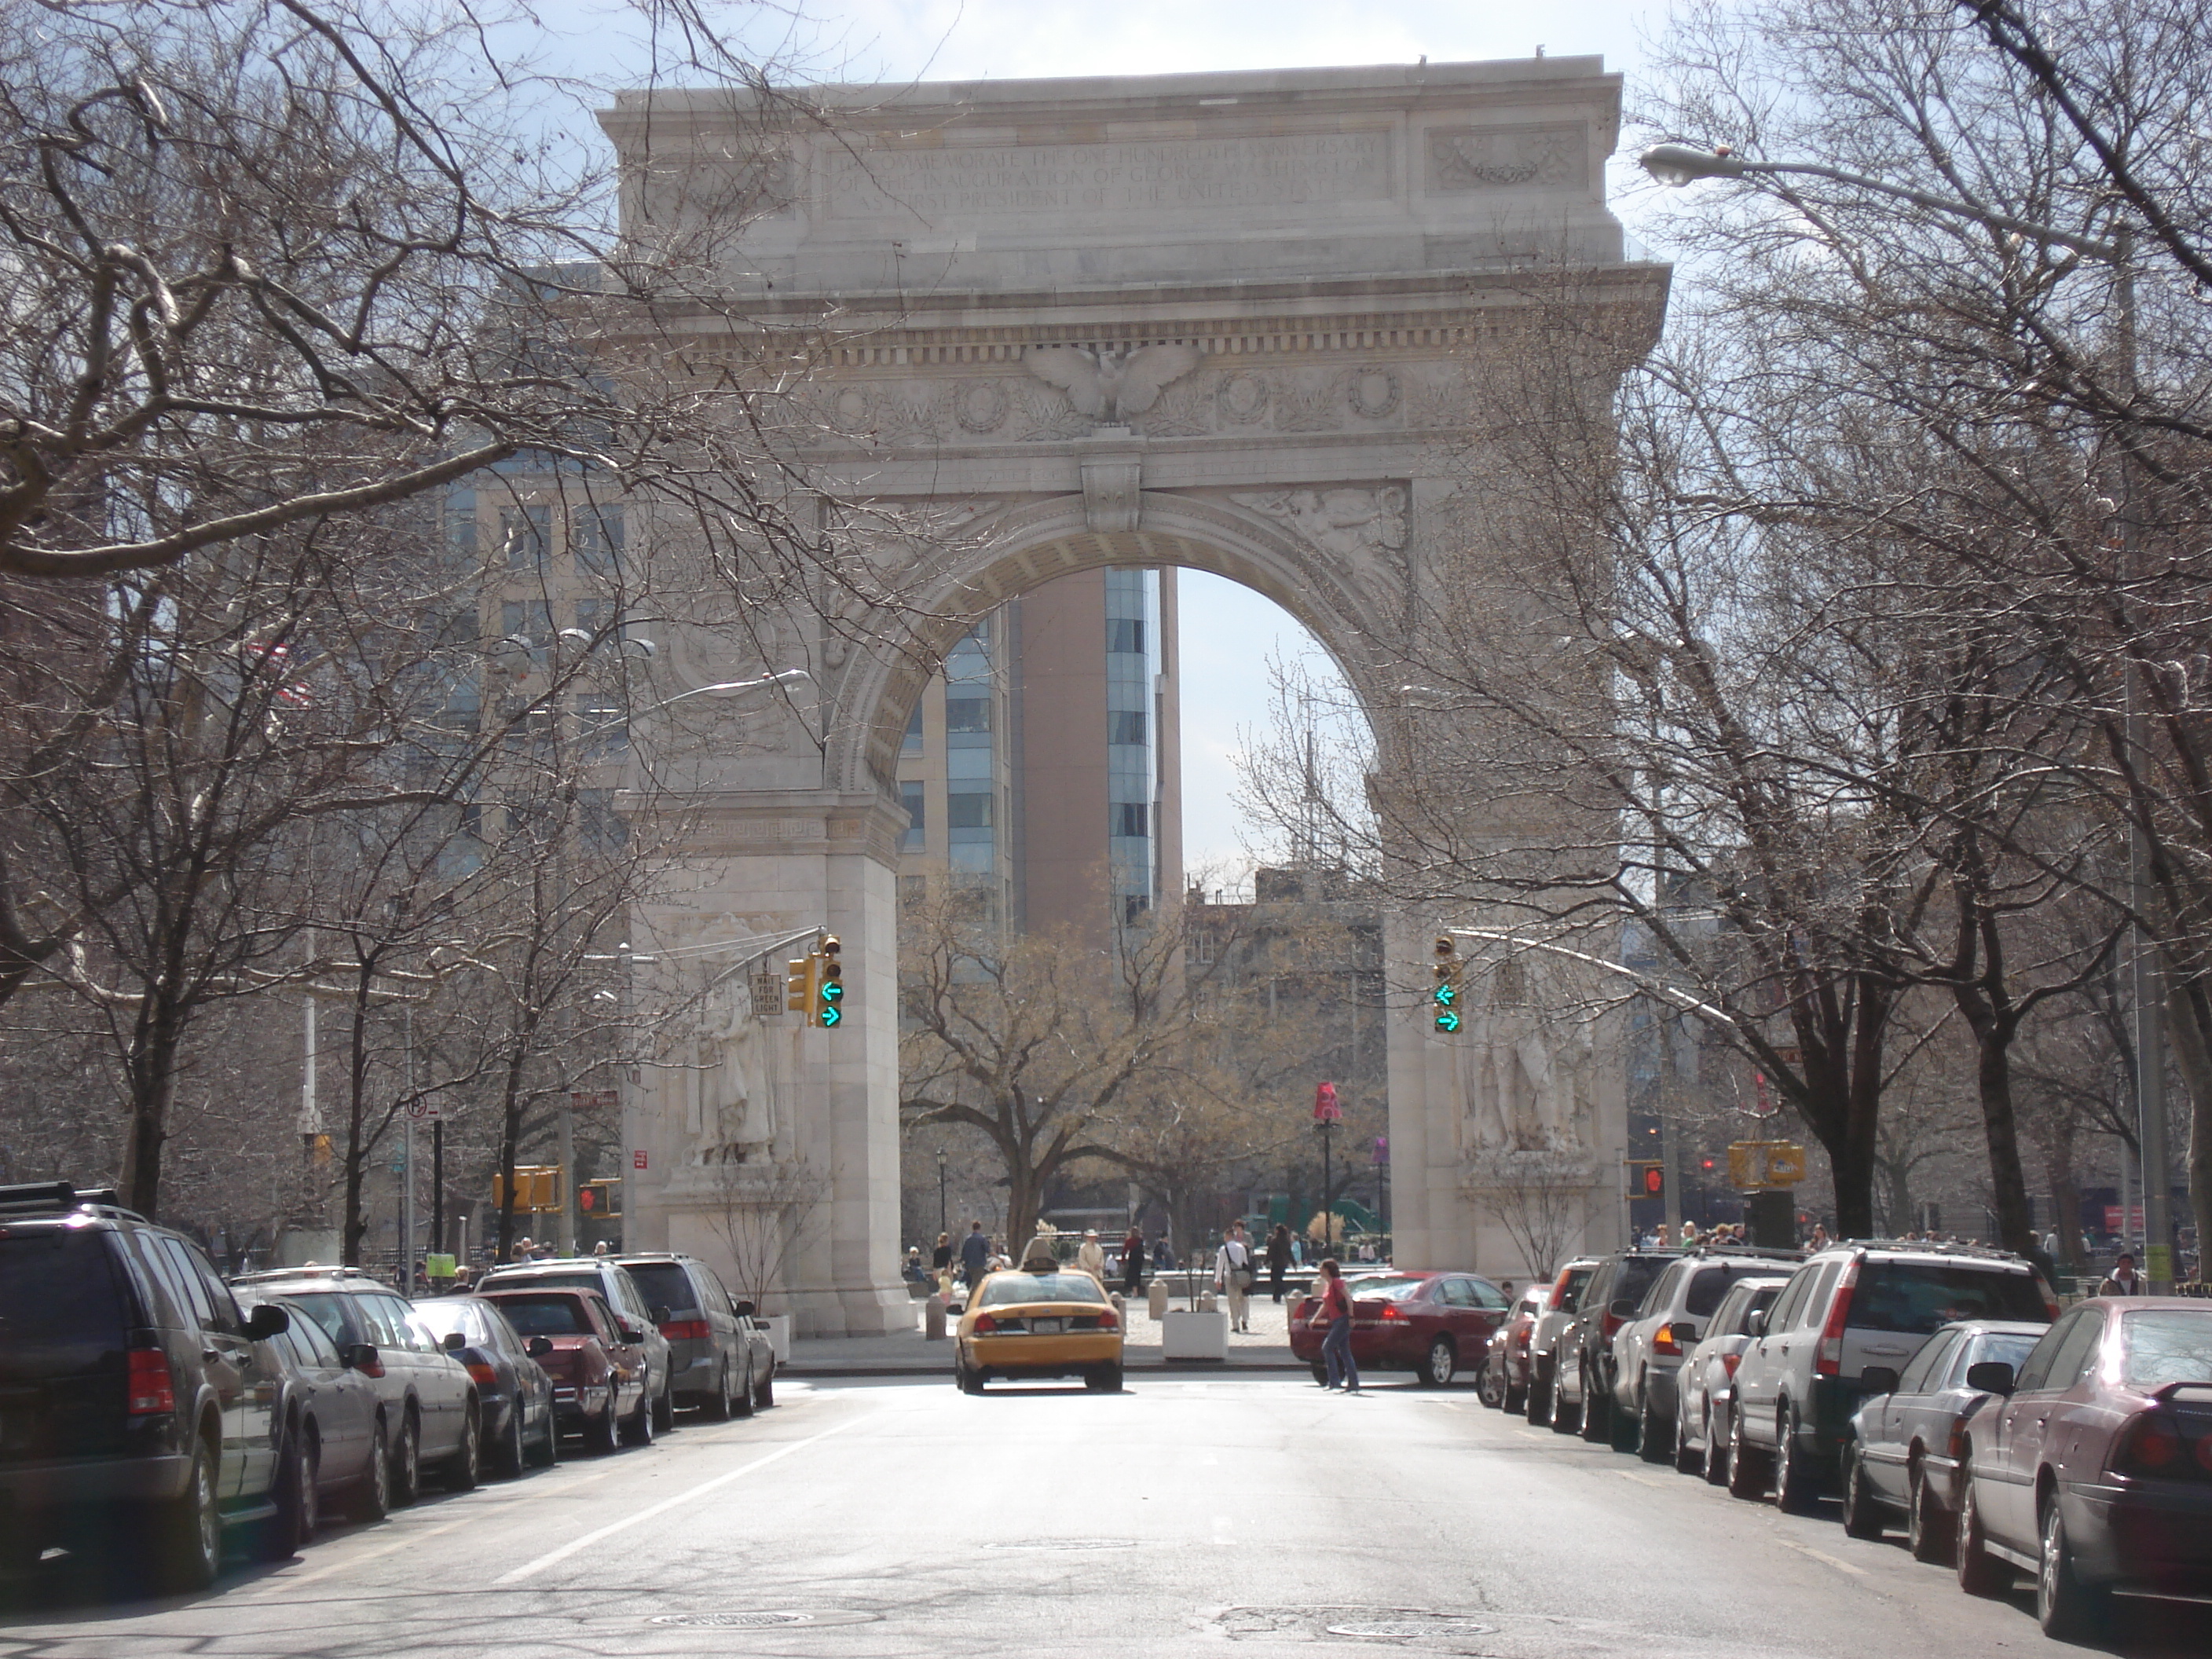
point(1425, 1323)
point(597, 1361)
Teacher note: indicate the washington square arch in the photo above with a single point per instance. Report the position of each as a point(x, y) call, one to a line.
point(1221, 321)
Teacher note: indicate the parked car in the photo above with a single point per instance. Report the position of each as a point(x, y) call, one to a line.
point(595, 1356)
point(431, 1415)
point(1038, 1325)
point(1567, 1289)
point(1649, 1349)
point(613, 1282)
point(513, 1390)
point(1909, 1432)
point(1505, 1361)
point(1582, 1369)
point(1423, 1324)
point(138, 1404)
point(329, 1408)
point(2095, 1471)
point(1856, 1305)
point(1705, 1386)
point(720, 1356)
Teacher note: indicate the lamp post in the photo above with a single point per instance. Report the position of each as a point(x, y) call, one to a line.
point(1676, 165)
point(944, 1227)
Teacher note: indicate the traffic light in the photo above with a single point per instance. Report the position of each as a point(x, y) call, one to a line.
point(798, 985)
point(1646, 1180)
point(601, 1199)
point(829, 985)
point(1445, 997)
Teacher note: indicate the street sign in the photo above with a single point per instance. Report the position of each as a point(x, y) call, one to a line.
point(637, 1160)
point(594, 1100)
point(1757, 1165)
point(423, 1111)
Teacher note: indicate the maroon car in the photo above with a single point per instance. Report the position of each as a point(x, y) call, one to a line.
point(1426, 1323)
point(2093, 1472)
point(598, 1363)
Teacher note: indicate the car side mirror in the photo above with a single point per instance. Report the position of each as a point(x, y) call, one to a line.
point(1990, 1377)
point(455, 1341)
point(539, 1346)
point(1756, 1325)
point(361, 1357)
point(1685, 1332)
point(629, 1333)
point(1878, 1379)
point(743, 1309)
point(1621, 1308)
point(661, 1315)
point(267, 1321)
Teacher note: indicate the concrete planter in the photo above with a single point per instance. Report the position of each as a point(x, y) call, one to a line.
point(1194, 1335)
point(779, 1333)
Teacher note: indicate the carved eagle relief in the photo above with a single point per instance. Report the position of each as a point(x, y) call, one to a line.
point(1111, 385)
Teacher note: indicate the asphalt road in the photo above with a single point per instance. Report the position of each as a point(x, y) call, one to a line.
point(1245, 1515)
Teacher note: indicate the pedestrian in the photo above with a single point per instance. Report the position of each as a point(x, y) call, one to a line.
point(1163, 1256)
point(1278, 1259)
point(1132, 1262)
point(2122, 1280)
point(975, 1255)
point(1820, 1240)
point(1091, 1256)
point(1232, 1276)
point(1335, 1312)
point(1689, 1234)
point(599, 1248)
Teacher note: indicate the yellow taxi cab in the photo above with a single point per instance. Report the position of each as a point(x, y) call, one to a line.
point(1039, 1324)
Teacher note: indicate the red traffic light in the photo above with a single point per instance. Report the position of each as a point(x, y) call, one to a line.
point(1655, 1180)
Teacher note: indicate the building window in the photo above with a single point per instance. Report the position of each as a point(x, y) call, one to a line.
point(1125, 726)
point(603, 726)
point(913, 889)
point(596, 537)
point(1133, 908)
point(968, 810)
point(915, 799)
point(911, 744)
point(967, 715)
point(1128, 817)
point(531, 620)
point(1201, 945)
point(1125, 634)
point(525, 532)
point(461, 525)
point(600, 828)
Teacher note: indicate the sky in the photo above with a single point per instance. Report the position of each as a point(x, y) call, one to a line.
point(1229, 632)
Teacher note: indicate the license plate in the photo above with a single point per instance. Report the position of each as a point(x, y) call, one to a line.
point(1047, 1326)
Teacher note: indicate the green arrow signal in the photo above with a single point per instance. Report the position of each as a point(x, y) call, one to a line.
point(832, 990)
point(1446, 996)
point(833, 1015)
point(1448, 1021)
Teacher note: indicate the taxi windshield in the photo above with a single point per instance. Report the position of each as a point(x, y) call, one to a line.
point(1003, 1288)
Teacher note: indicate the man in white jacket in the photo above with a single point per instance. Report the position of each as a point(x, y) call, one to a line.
point(1232, 1276)
point(1091, 1257)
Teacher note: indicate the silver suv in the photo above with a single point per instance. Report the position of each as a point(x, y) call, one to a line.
point(719, 1356)
point(1868, 1302)
point(1649, 1349)
point(1559, 1313)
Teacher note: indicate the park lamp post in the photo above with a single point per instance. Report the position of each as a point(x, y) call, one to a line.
point(1677, 165)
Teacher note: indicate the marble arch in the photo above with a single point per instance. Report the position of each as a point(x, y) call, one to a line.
point(1224, 321)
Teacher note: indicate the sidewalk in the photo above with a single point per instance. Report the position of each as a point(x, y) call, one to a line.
point(907, 1354)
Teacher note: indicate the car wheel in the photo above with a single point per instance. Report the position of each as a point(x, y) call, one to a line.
point(293, 1527)
point(970, 1381)
point(372, 1497)
point(1437, 1369)
point(1103, 1379)
point(1321, 1375)
point(507, 1462)
point(599, 1432)
point(1653, 1443)
point(1863, 1516)
point(1796, 1488)
point(1597, 1411)
point(186, 1545)
point(720, 1407)
point(1565, 1418)
point(2068, 1609)
point(638, 1431)
point(663, 1412)
point(1927, 1529)
point(1491, 1391)
point(549, 1445)
point(1980, 1573)
point(407, 1464)
point(1516, 1396)
point(1747, 1472)
point(764, 1391)
point(1623, 1429)
point(1717, 1451)
point(1539, 1402)
point(466, 1467)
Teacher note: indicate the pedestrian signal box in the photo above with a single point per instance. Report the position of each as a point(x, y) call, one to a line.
point(1646, 1180)
point(1445, 997)
point(829, 986)
point(600, 1199)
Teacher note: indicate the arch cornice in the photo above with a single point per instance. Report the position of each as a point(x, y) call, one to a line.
point(1345, 602)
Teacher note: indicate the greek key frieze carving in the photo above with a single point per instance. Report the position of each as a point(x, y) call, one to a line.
point(1509, 158)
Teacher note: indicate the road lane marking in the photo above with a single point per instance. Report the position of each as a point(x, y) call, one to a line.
point(1823, 1557)
point(553, 1557)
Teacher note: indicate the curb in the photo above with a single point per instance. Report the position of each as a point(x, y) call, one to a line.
point(1183, 1368)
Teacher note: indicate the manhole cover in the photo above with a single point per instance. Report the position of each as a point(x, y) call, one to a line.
point(1409, 1626)
point(1068, 1544)
point(732, 1620)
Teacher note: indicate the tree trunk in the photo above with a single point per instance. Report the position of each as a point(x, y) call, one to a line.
point(2189, 1020)
point(1993, 1034)
point(510, 1149)
point(355, 1222)
point(2066, 1193)
point(153, 1075)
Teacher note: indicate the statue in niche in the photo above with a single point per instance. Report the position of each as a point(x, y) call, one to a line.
point(730, 1110)
point(1530, 1089)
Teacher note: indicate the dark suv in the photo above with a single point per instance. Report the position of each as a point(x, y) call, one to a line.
point(718, 1357)
point(137, 1404)
point(1583, 1364)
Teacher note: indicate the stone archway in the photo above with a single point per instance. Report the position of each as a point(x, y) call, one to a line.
point(1218, 321)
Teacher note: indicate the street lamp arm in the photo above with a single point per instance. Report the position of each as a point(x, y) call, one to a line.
point(1675, 165)
point(734, 688)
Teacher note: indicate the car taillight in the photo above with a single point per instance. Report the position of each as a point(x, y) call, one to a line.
point(151, 1387)
point(685, 1330)
point(2150, 1443)
point(1108, 1323)
point(1828, 1358)
point(1730, 1361)
point(1956, 1447)
point(985, 1322)
point(1390, 1310)
point(1663, 1340)
point(485, 1376)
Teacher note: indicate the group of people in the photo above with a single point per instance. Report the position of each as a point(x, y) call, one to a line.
point(978, 1254)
